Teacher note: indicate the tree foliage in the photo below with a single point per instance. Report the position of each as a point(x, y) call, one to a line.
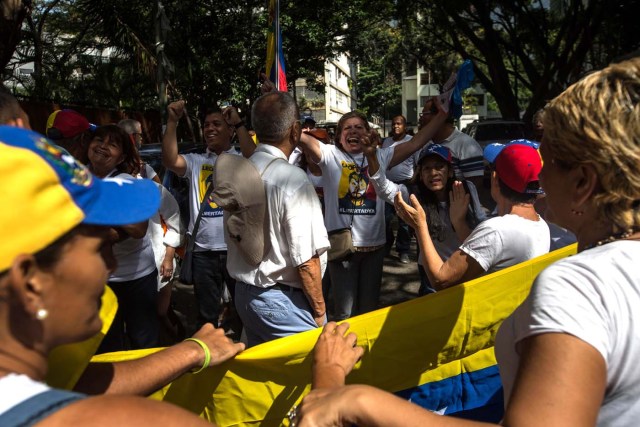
point(524, 47)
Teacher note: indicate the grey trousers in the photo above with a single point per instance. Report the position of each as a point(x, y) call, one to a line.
point(355, 284)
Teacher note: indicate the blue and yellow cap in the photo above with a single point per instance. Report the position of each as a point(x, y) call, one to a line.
point(44, 193)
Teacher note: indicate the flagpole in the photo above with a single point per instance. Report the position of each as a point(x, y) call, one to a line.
point(278, 44)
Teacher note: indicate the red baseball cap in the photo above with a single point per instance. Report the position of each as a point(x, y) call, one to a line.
point(518, 166)
point(63, 124)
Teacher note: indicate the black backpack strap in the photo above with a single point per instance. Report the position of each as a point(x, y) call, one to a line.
point(192, 240)
point(38, 407)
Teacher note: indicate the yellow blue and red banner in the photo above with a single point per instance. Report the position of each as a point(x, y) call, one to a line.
point(275, 69)
point(436, 351)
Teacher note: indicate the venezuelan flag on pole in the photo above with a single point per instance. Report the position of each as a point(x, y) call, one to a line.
point(437, 351)
point(275, 58)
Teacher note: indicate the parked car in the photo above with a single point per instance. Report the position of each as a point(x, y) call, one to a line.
point(151, 154)
point(489, 131)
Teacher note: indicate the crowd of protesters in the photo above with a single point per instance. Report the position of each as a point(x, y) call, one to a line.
point(261, 242)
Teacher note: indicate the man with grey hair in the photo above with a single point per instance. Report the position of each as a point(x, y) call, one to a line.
point(134, 129)
point(282, 295)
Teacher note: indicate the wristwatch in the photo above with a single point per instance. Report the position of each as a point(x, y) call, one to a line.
point(239, 124)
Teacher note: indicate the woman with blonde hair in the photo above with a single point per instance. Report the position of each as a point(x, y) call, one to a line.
point(569, 354)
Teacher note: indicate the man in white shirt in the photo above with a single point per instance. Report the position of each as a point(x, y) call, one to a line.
point(282, 294)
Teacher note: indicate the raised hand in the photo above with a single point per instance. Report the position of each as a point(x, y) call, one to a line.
point(175, 110)
point(458, 203)
point(267, 85)
point(231, 116)
point(413, 215)
point(370, 143)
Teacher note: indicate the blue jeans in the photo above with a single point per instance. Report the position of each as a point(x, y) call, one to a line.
point(209, 278)
point(403, 239)
point(355, 283)
point(425, 285)
point(269, 313)
point(137, 301)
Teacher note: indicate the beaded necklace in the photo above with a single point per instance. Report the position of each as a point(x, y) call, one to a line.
point(612, 238)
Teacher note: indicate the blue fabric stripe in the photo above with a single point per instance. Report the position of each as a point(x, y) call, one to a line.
point(473, 395)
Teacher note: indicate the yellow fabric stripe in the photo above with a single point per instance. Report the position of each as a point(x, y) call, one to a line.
point(424, 340)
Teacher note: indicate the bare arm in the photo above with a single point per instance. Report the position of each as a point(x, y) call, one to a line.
point(364, 405)
point(401, 152)
point(247, 146)
point(145, 375)
point(547, 385)
point(370, 146)
point(166, 268)
point(311, 147)
point(546, 388)
point(459, 268)
point(105, 411)
point(170, 157)
point(311, 278)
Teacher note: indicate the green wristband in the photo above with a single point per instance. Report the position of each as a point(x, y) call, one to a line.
point(207, 354)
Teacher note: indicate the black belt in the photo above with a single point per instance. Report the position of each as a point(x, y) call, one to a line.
point(285, 288)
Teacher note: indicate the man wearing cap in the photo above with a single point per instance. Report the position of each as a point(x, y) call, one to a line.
point(516, 235)
point(400, 174)
point(278, 293)
point(308, 123)
point(466, 151)
point(210, 253)
point(71, 131)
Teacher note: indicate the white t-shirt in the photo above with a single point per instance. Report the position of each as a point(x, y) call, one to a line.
point(349, 197)
point(296, 227)
point(200, 173)
point(135, 256)
point(147, 171)
point(403, 170)
point(169, 212)
point(296, 156)
point(506, 240)
point(17, 388)
point(593, 296)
